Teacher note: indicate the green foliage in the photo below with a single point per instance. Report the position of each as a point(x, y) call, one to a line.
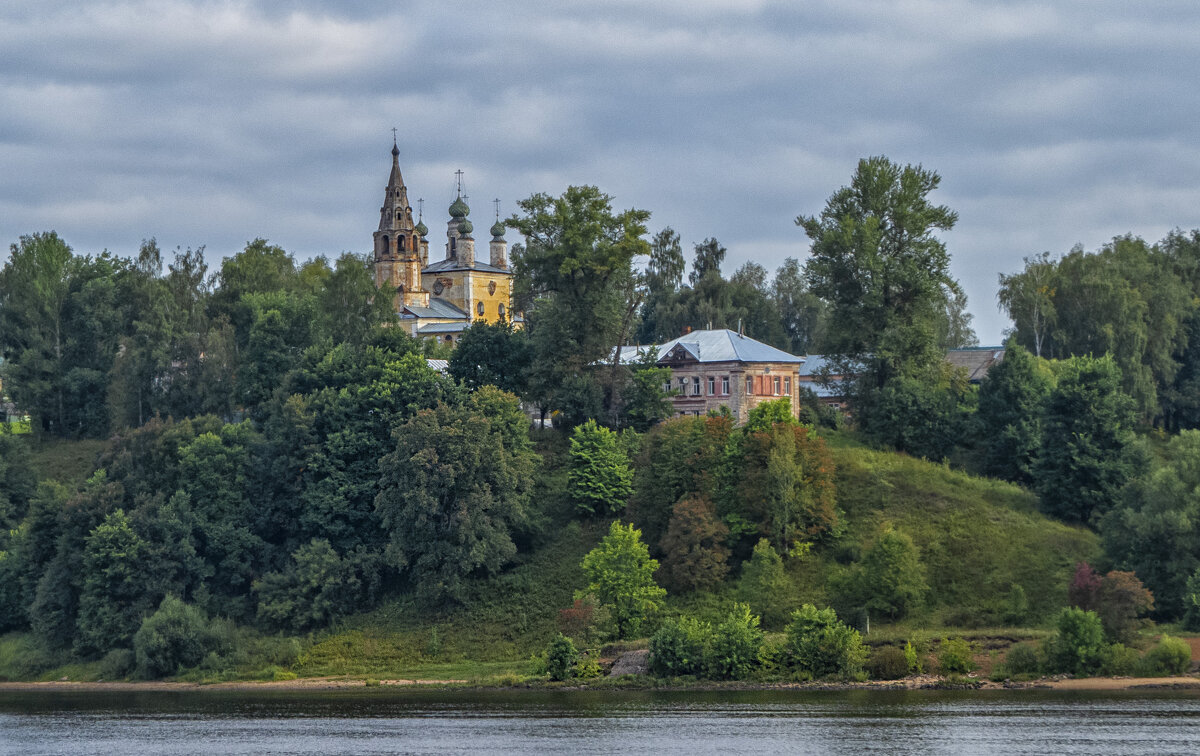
point(734, 652)
point(451, 494)
point(118, 664)
point(879, 263)
point(764, 585)
point(783, 480)
point(913, 659)
point(645, 403)
point(694, 553)
point(620, 573)
point(819, 645)
point(1191, 602)
point(1119, 660)
point(492, 354)
point(561, 656)
point(923, 417)
point(1155, 528)
point(764, 416)
point(317, 587)
point(1170, 656)
point(1009, 418)
point(1022, 659)
point(1078, 647)
point(114, 598)
point(1086, 454)
point(680, 457)
point(599, 479)
point(890, 580)
point(888, 663)
point(680, 647)
point(17, 483)
point(956, 656)
point(175, 636)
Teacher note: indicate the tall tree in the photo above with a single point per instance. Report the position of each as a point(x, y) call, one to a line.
point(576, 270)
point(1009, 419)
point(801, 312)
point(620, 573)
point(1028, 298)
point(878, 262)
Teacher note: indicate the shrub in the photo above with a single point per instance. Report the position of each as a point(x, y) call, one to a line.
point(620, 574)
point(1118, 659)
point(680, 647)
point(765, 586)
point(914, 658)
point(176, 635)
point(1022, 659)
point(735, 645)
point(561, 657)
point(955, 656)
point(888, 663)
point(1170, 656)
point(1122, 600)
point(819, 645)
point(1079, 644)
point(1191, 602)
point(117, 664)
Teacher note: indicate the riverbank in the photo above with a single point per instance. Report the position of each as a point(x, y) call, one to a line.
point(921, 682)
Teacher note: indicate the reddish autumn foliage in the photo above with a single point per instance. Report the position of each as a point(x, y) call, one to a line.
point(694, 551)
point(786, 483)
point(1084, 588)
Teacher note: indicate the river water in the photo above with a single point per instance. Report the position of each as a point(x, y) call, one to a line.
point(374, 721)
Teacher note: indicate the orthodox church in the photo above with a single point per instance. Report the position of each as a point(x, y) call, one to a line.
point(441, 299)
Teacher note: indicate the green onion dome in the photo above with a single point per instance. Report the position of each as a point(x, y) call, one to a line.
point(498, 230)
point(465, 228)
point(459, 209)
point(422, 229)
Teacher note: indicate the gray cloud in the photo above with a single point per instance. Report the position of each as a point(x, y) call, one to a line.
point(216, 122)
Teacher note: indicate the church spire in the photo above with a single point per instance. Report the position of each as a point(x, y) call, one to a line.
point(399, 249)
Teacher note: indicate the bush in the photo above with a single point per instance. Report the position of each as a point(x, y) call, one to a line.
point(1079, 645)
point(818, 644)
point(888, 663)
point(765, 586)
point(587, 668)
point(599, 479)
point(117, 664)
point(694, 553)
point(1118, 659)
point(1022, 659)
point(680, 647)
point(175, 636)
point(1170, 656)
point(914, 658)
point(735, 645)
point(955, 656)
point(561, 657)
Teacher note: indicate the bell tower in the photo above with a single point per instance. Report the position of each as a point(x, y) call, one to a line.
point(398, 243)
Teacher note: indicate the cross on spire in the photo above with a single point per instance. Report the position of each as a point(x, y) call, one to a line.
point(458, 181)
point(420, 208)
point(496, 202)
point(393, 135)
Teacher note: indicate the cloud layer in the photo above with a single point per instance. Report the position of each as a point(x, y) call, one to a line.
point(211, 123)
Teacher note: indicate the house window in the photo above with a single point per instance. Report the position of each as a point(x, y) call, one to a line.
point(712, 385)
point(682, 386)
point(667, 387)
point(776, 385)
point(787, 386)
point(749, 384)
point(725, 386)
point(696, 385)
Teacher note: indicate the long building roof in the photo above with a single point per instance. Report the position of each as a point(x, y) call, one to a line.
point(718, 345)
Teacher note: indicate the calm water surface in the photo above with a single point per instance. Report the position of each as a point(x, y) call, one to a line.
point(378, 722)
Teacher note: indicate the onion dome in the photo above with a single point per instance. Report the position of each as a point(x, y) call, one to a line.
point(498, 230)
point(465, 228)
point(422, 229)
point(459, 209)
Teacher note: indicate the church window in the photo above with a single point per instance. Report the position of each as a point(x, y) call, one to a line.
point(725, 385)
point(400, 243)
point(712, 385)
point(453, 249)
point(501, 309)
point(387, 247)
point(479, 307)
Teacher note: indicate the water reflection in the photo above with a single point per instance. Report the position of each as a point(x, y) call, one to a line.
point(375, 721)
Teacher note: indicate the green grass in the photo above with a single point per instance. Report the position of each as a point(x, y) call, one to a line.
point(68, 462)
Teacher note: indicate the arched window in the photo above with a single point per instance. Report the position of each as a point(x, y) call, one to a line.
point(400, 242)
point(386, 247)
point(479, 307)
point(501, 309)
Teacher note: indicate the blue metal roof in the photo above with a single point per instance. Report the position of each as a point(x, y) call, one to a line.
point(718, 345)
point(446, 266)
point(438, 308)
point(443, 328)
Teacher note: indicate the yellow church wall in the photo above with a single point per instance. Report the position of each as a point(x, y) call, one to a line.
point(465, 289)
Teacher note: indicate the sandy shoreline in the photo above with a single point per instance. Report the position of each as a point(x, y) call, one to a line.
point(316, 684)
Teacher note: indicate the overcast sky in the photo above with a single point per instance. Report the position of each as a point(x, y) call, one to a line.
point(1051, 123)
